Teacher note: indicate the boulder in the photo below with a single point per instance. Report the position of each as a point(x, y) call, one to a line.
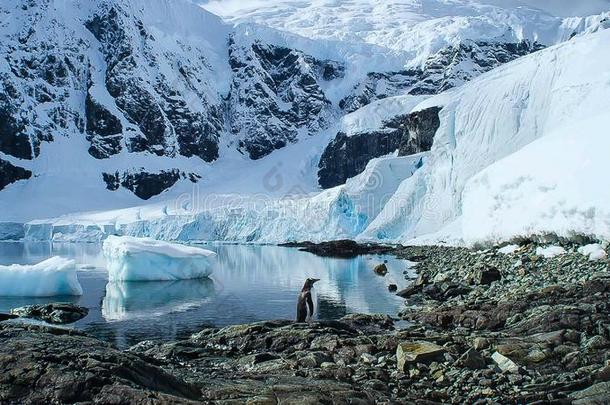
point(4, 317)
point(417, 352)
point(596, 394)
point(381, 269)
point(409, 291)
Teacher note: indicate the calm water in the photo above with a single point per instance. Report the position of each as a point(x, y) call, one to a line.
point(249, 283)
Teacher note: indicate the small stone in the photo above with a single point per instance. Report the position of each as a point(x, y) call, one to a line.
point(392, 287)
point(480, 343)
point(368, 358)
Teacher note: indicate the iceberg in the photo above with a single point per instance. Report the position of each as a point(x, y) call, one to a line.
point(143, 259)
point(51, 277)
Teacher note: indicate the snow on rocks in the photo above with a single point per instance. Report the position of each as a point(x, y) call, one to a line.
point(594, 251)
point(508, 249)
point(52, 277)
point(550, 251)
point(144, 259)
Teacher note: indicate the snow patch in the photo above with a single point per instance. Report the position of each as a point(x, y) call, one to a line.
point(550, 251)
point(594, 251)
point(508, 249)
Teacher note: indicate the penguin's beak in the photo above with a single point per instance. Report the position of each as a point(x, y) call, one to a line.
point(313, 280)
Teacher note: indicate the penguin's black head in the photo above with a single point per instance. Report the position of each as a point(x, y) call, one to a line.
point(309, 283)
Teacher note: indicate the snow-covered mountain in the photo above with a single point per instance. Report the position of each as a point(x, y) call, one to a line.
point(228, 126)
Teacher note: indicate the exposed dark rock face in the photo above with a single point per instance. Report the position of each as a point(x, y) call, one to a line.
point(104, 130)
point(420, 129)
point(143, 184)
point(347, 155)
point(275, 95)
point(340, 248)
point(450, 67)
point(36, 89)
point(164, 118)
point(59, 312)
point(10, 174)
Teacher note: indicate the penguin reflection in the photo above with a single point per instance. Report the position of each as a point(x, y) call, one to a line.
point(305, 300)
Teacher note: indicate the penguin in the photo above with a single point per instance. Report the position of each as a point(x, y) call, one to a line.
point(305, 300)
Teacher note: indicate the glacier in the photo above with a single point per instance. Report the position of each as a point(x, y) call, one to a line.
point(518, 153)
point(144, 259)
point(500, 138)
point(55, 276)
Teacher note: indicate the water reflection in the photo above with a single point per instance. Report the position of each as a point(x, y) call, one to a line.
point(149, 299)
point(249, 283)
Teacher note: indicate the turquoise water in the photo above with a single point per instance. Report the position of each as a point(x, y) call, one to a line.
point(249, 283)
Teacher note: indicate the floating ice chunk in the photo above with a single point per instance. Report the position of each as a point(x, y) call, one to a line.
point(54, 276)
point(595, 251)
point(144, 259)
point(550, 251)
point(508, 249)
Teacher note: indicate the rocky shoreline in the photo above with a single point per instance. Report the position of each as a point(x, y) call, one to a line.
point(511, 325)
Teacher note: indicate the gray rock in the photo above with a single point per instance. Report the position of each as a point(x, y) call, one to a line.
point(597, 394)
point(485, 274)
point(58, 312)
point(472, 359)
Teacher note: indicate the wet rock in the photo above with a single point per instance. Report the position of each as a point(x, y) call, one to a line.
point(6, 317)
point(343, 248)
point(58, 313)
point(409, 291)
point(381, 269)
point(417, 352)
point(392, 287)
